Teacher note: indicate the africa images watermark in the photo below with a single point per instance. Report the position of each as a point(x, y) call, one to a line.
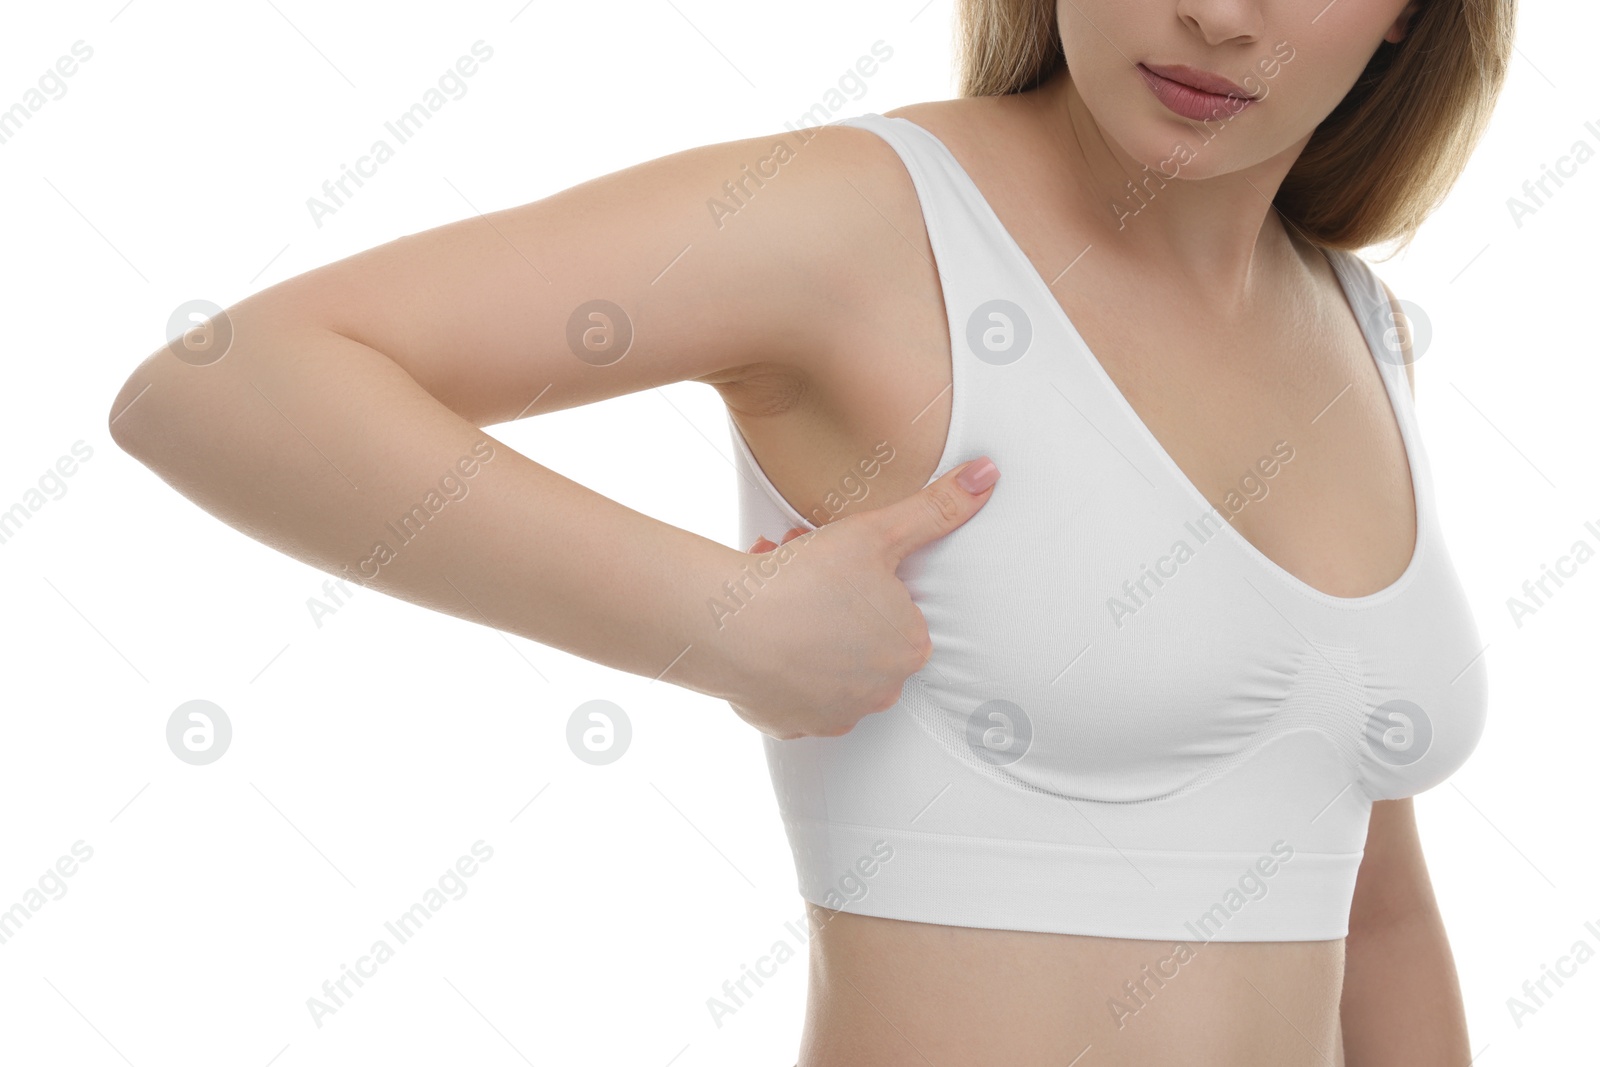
point(1138, 592)
point(1000, 332)
point(1139, 192)
point(51, 886)
point(737, 594)
point(52, 86)
point(1566, 166)
point(415, 520)
point(737, 193)
point(1251, 886)
point(403, 127)
point(403, 929)
point(1566, 967)
point(850, 888)
point(1537, 592)
point(52, 486)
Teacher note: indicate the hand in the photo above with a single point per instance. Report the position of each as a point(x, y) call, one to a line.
point(830, 634)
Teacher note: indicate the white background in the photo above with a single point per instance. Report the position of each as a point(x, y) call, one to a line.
point(370, 752)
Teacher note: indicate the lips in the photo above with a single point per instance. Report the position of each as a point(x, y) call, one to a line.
point(1195, 94)
point(1202, 80)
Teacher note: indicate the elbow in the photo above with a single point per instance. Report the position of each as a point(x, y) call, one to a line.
point(208, 337)
point(123, 417)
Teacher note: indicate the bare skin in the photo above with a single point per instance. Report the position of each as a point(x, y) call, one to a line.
point(890, 992)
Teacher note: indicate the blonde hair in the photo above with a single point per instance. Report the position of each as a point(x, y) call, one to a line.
point(1375, 167)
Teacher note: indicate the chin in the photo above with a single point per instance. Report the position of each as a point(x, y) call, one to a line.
point(1177, 148)
point(1181, 150)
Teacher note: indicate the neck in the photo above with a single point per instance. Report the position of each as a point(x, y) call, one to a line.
point(1220, 234)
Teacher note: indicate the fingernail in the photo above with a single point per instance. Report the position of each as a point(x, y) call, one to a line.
point(978, 475)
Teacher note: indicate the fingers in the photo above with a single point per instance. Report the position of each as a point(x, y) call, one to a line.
point(935, 509)
point(763, 545)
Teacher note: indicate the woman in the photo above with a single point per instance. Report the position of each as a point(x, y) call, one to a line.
point(1140, 790)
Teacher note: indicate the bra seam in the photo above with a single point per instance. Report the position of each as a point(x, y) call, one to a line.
point(1033, 842)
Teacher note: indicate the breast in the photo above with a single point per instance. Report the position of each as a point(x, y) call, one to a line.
point(1107, 642)
point(1124, 711)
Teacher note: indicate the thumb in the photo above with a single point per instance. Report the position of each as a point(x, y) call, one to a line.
point(937, 508)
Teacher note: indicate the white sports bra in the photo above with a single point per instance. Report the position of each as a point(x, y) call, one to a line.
point(1133, 724)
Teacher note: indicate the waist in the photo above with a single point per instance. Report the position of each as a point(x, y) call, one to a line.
point(1021, 998)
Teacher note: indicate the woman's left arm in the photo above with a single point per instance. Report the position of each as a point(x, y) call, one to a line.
point(1401, 1005)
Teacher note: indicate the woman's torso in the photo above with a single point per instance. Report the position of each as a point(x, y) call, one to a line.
point(1217, 391)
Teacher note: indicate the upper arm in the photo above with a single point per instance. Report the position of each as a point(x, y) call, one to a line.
point(1392, 881)
point(495, 315)
point(1397, 316)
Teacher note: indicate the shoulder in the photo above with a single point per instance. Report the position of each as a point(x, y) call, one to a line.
point(1394, 320)
point(864, 210)
point(1405, 336)
point(824, 219)
point(854, 157)
point(959, 112)
point(838, 208)
point(981, 129)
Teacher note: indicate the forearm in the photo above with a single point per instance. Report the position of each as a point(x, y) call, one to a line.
point(325, 449)
point(1401, 1005)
